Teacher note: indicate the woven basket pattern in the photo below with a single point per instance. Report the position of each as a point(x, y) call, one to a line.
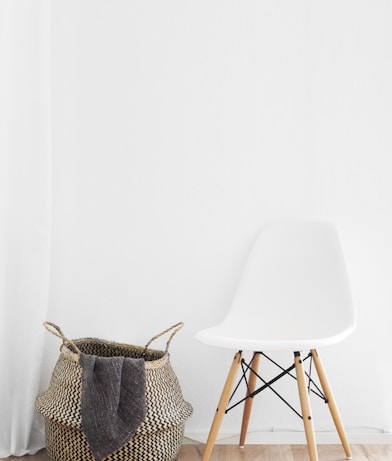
point(69, 444)
point(158, 438)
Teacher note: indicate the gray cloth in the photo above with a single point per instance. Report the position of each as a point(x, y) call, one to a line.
point(113, 401)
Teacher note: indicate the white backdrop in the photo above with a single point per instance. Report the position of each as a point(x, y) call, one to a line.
point(25, 198)
point(178, 130)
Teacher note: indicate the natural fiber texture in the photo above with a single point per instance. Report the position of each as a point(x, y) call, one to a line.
point(158, 438)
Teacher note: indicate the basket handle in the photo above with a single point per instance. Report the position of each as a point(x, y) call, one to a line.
point(177, 327)
point(56, 331)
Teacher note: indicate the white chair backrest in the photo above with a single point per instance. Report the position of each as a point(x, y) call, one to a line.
point(294, 284)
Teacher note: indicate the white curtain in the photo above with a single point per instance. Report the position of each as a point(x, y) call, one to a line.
point(25, 226)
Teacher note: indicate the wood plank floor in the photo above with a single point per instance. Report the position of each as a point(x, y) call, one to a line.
point(266, 453)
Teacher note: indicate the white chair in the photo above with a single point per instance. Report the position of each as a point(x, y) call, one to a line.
point(293, 296)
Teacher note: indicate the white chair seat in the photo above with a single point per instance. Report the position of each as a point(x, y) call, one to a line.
point(293, 294)
point(252, 337)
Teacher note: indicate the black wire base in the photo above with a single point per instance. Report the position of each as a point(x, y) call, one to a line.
point(247, 370)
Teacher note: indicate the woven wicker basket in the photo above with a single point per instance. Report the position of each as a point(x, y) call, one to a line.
point(159, 436)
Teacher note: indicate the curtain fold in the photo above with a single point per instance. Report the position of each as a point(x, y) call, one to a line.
point(25, 219)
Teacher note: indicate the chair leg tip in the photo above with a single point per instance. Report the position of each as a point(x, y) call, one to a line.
point(349, 457)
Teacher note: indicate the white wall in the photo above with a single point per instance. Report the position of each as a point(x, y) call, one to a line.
point(179, 129)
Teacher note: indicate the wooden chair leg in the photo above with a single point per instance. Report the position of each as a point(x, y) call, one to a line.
point(222, 406)
point(249, 401)
point(331, 402)
point(305, 407)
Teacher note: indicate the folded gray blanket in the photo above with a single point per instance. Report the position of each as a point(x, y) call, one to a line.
point(113, 401)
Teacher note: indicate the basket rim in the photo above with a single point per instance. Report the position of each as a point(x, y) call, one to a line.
point(149, 364)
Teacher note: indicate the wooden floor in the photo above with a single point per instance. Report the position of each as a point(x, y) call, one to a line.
point(267, 453)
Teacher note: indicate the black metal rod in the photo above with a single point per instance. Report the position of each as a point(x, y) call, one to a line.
point(266, 385)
